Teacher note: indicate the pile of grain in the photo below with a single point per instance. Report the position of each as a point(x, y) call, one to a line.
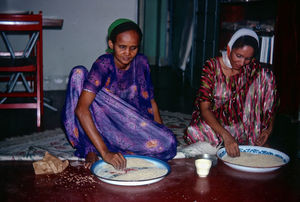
point(136, 169)
point(76, 179)
point(72, 178)
point(254, 160)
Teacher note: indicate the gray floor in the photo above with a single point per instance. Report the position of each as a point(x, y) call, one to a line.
point(171, 94)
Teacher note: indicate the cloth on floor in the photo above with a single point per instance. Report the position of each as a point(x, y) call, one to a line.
point(33, 147)
point(189, 151)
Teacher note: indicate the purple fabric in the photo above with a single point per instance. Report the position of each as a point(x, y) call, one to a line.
point(123, 118)
point(133, 85)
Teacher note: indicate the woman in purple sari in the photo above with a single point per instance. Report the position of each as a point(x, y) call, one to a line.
point(237, 98)
point(110, 110)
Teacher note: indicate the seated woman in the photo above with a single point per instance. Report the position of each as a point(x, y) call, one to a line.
point(116, 113)
point(237, 98)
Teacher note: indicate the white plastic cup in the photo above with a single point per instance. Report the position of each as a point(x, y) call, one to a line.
point(202, 167)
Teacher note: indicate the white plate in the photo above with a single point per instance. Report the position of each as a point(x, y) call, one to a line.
point(98, 165)
point(255, 150)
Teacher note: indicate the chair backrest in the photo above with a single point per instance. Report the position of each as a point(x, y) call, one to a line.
point(16, 23)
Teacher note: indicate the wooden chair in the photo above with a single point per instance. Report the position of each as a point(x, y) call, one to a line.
point(25, 66)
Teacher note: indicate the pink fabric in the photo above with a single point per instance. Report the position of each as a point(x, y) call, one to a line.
point(243, 104)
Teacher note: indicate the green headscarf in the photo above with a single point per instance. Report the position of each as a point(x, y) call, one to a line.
point(113, 26)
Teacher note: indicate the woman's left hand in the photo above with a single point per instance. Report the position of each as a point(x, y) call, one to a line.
point(156, 113)
point(90, 158)
point(263, 137)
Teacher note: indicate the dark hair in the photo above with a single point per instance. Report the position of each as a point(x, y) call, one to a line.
point(123, 28)
point(246, 41)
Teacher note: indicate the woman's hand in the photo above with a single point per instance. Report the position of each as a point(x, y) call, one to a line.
point(263, 137)
point(156, 113)
point(90, 158)
point(117, 160)
point(84, 115)
point(231, 146)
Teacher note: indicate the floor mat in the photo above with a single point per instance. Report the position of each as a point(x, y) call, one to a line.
point(33, 147)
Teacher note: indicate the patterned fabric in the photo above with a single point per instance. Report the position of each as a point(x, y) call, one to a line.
point(121, 110)
point(243, 104)
point(33, 147)
point(133, 85)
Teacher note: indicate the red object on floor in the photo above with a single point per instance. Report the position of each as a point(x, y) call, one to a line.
point(19, 183)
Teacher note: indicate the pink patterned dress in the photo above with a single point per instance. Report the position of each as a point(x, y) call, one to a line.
point(243, 104)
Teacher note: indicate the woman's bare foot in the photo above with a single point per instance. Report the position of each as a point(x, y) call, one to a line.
point(90, 158)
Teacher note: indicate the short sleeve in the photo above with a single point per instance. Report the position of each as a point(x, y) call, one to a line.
point(207, 80)
point(143, 77)
point(98, 74)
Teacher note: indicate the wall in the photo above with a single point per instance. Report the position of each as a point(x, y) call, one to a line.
point(83, 35)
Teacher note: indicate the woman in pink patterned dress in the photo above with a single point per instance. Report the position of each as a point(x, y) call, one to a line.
point(237, 98)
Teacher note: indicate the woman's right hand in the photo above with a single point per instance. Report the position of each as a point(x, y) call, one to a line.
point(231, 146)
point(117, 160)
point(84, 115)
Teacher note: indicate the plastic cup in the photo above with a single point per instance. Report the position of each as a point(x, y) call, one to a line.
point(202, 167)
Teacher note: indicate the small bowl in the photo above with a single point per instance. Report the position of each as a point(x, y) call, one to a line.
point(213, 158)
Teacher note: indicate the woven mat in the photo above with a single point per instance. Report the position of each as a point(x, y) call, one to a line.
point(34, 146)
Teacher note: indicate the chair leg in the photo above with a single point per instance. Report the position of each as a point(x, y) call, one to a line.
point(11, 85)
point(38, 115)
point(39, 103)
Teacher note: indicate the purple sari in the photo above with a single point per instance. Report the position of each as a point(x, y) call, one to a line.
point(121, 110)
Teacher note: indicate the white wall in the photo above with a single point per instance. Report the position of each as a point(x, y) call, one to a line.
point(83, 35)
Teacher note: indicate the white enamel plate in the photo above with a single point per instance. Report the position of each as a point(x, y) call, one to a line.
point(98, 167)
point(255, 150)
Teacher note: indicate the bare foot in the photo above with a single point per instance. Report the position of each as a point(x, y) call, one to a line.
point(90, 158)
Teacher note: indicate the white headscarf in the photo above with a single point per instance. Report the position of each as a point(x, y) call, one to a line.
point(241, 32)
